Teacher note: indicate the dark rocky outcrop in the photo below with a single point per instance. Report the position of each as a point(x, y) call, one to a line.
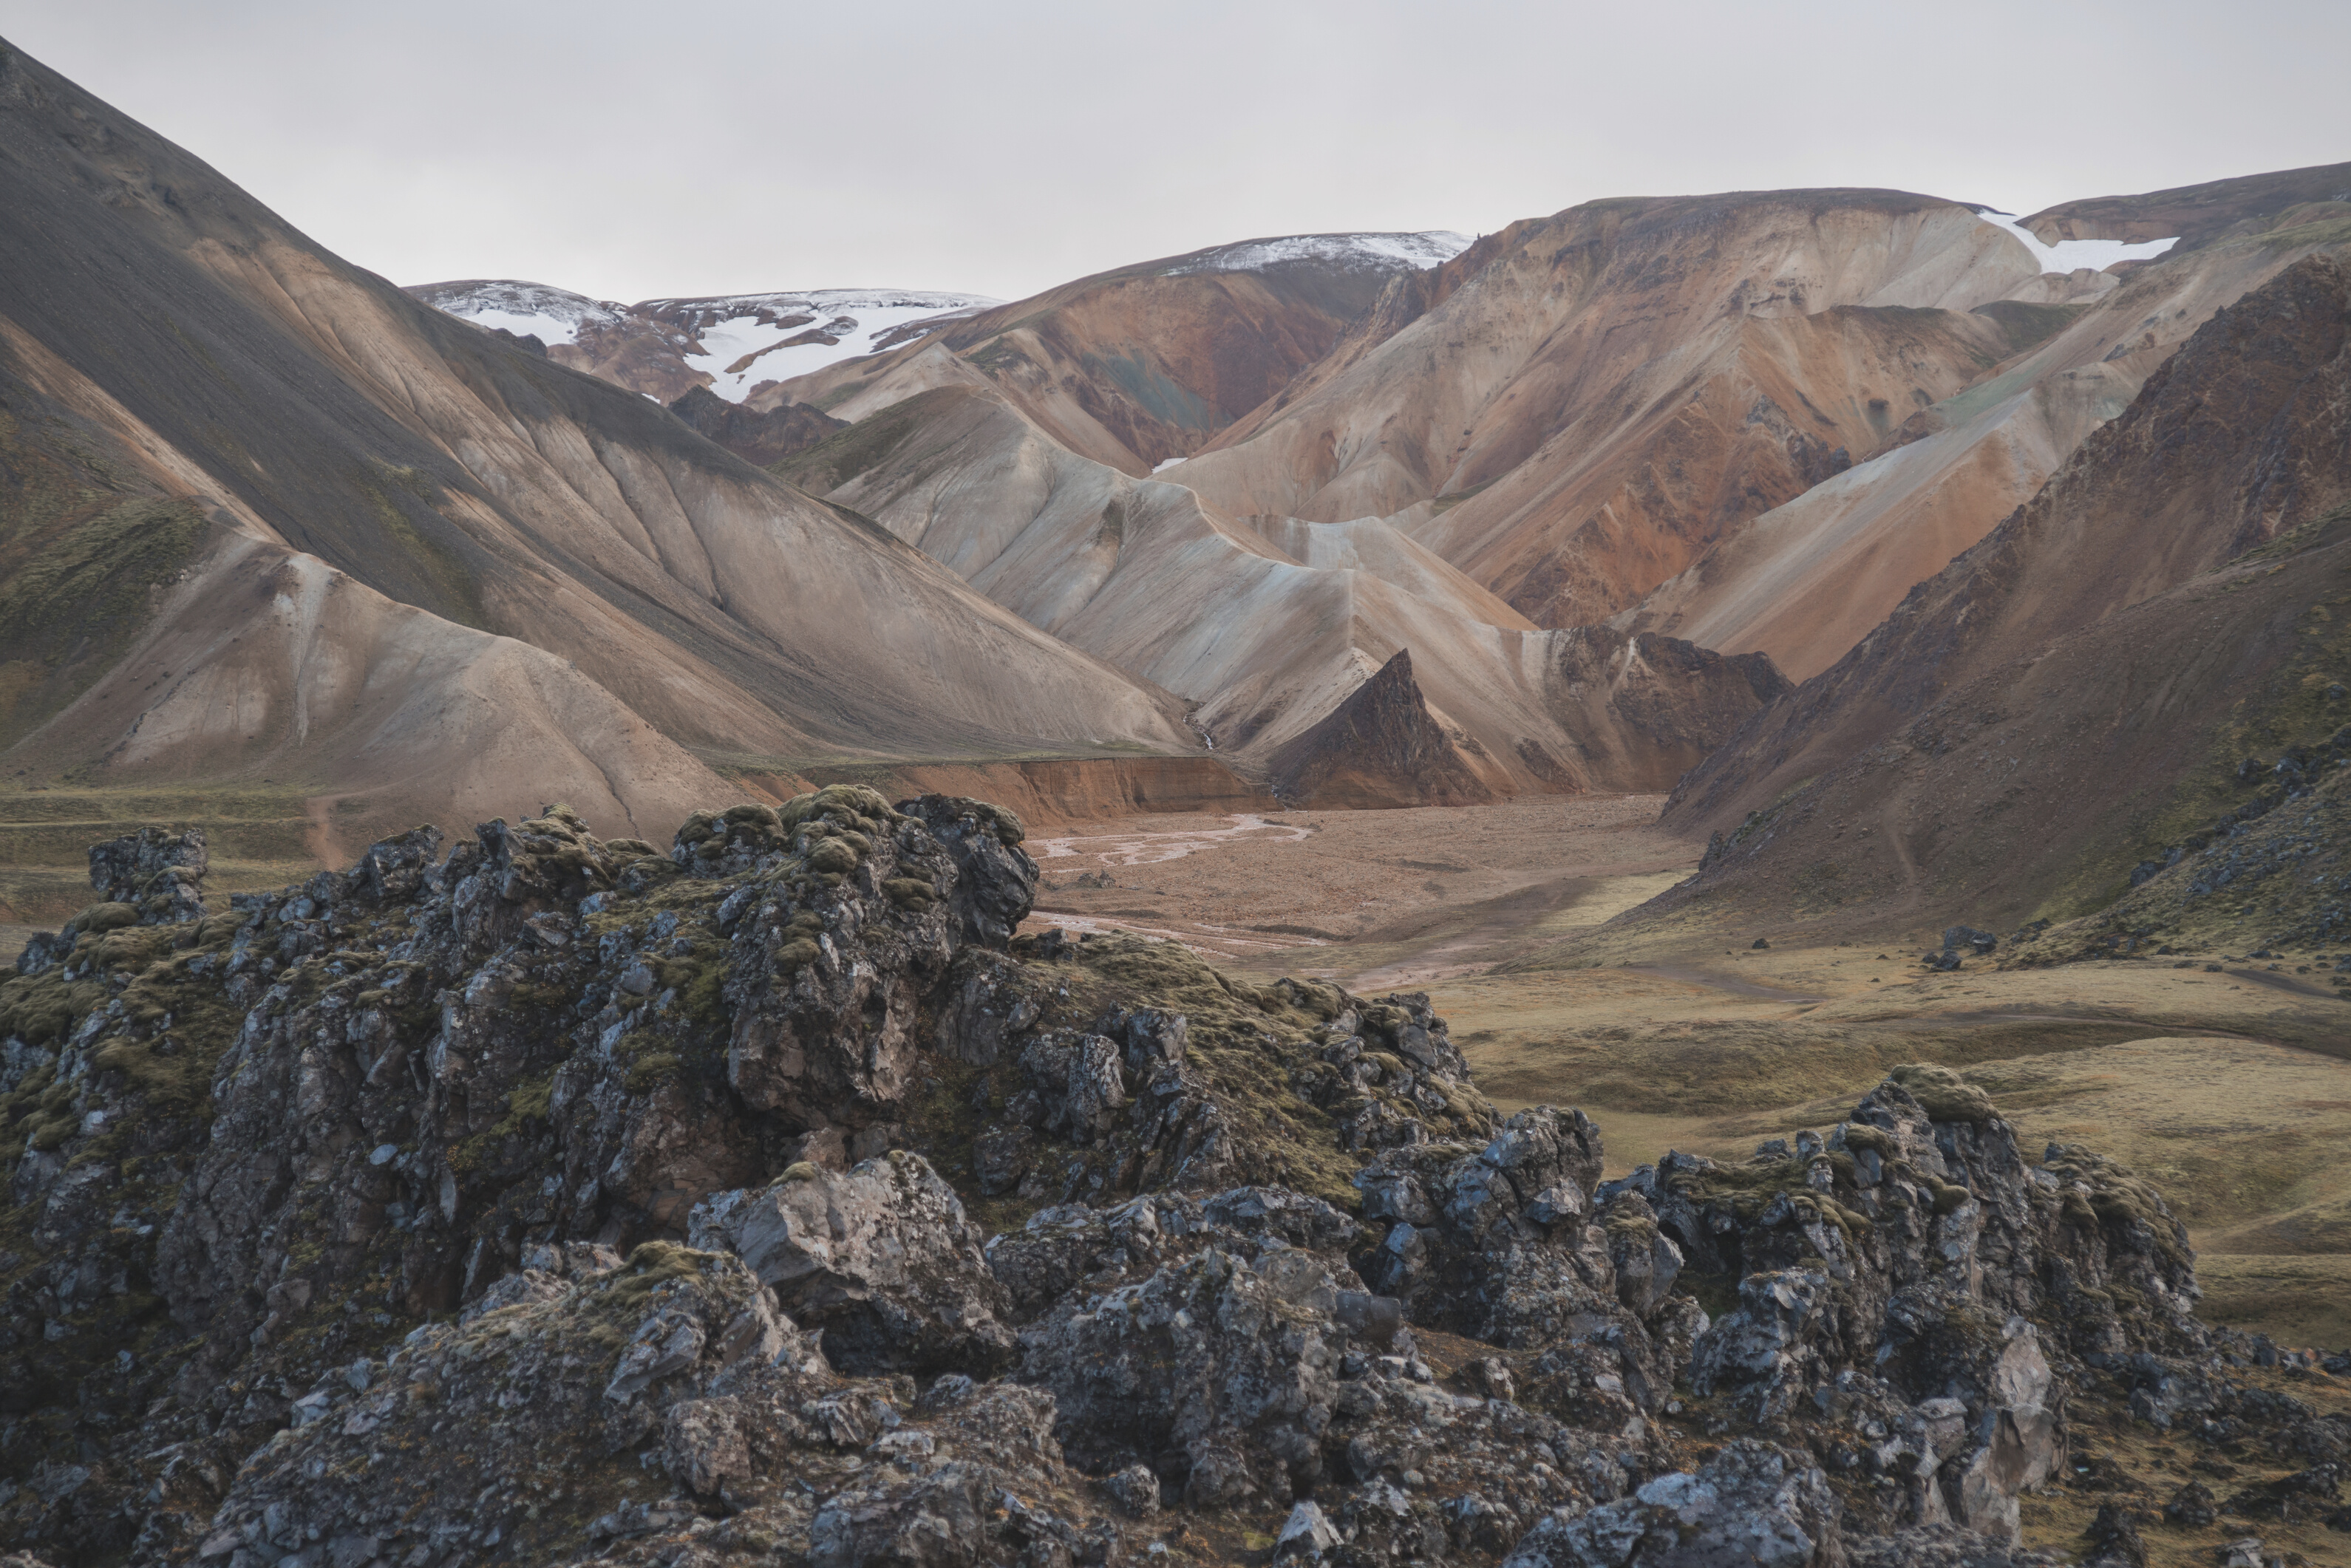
point(1749, 1504)
point(563, 1199)
point(1497, 1242)
point(758, 436)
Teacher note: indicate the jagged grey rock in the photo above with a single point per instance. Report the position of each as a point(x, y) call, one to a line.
point(1494, 1241)
point(1751, 1503)
point(504, 1087)
point(1218, 1376)
point(879, 1257)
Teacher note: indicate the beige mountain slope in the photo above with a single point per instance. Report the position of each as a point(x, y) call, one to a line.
point(1807, 580)
point(1268, 623)
point(1136, 366)
point(264, 662)
point(1591, 398)
point(2074, 697)
point(144, 643)
point(195, 347)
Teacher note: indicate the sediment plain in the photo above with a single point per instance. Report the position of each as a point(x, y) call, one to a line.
point(2226, 1079)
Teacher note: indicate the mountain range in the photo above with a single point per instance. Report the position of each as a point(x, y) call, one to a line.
point(1371, 519)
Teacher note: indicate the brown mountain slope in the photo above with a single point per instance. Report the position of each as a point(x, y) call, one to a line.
point(1805, 580)
point(2200, 214)
point(1267, 624)
point(266, 663)
point(1614, 385)
point(2035, 790)
point(1133, 367)
point(217, 355)
point(141, 637)
point(2058, 702)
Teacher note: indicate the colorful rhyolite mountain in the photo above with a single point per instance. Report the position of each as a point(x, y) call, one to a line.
point(1595, 475)
point(1750, 422)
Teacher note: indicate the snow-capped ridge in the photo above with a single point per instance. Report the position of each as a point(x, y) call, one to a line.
point(743, 341)
point(1429, 247)
point(727, 305)
point(738, 340)
point(525, 308)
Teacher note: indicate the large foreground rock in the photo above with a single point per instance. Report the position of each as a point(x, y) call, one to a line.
point(1215, 1374)
point(880, 1258)
point(494, 1439)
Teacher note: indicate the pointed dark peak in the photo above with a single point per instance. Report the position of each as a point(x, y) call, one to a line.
point(1382, 747)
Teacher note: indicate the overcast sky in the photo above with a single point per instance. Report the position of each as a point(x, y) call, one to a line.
point(629, 151)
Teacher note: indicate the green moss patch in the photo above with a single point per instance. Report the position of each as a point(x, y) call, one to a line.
point(1944, 1095)
point(1255, 1047)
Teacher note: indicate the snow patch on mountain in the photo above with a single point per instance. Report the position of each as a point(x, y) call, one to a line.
point(745, 339)
point(739, 341)
point(1389, 252)
point(527, 309)
point(2066, 255)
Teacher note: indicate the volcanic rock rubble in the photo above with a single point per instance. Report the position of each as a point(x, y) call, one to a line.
point(567, 1200)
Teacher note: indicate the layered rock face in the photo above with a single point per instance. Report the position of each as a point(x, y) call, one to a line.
point(1278, 628)
point(564, 1199)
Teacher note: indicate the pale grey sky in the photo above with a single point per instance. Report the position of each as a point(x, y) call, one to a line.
point(628, 150)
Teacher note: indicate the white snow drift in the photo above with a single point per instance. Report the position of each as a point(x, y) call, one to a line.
point(2066, 255)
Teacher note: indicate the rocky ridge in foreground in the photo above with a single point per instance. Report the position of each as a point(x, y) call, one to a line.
point(766, 1199)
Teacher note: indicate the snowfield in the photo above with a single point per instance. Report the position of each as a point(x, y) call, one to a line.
point(2066, 255)
point(1388, 252)
point(527, 309)
point(737, 340)
point(747, 338)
